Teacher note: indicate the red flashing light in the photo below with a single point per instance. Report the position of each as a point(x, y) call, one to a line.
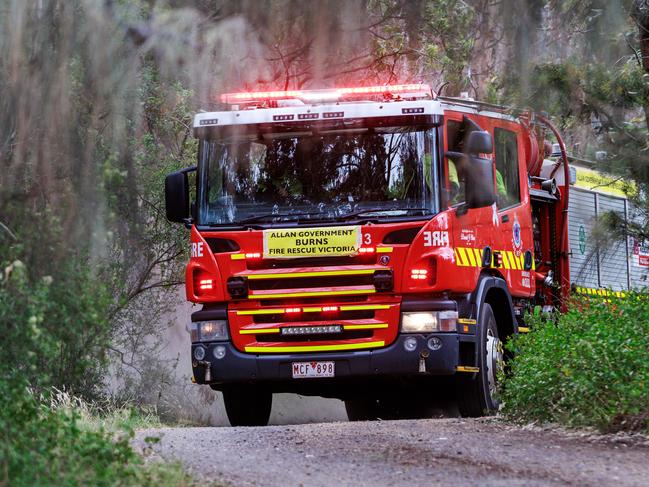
point(292, 310)
point(327, 309)
point(253, 255)
point(325, 94)
point(366, 250)
point(361, 90)
point(259, 95)
point(419, 274)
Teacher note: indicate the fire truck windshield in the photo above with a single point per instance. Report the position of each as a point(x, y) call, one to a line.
point(318, 176)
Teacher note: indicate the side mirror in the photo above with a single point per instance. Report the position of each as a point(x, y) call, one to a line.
point(479, 142)
point(479, 175)
point(480, 183)
point(177, 195)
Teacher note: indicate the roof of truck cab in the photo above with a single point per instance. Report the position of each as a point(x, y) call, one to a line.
point(314, 112)
point(474, 107)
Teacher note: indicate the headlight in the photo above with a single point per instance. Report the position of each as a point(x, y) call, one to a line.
point(418, 322)
point(426, 322)
point(207, 331)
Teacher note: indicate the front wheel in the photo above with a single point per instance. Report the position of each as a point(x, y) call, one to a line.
point(477, 394)
point(247, 406)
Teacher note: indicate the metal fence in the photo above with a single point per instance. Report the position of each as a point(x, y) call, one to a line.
point(618, 264)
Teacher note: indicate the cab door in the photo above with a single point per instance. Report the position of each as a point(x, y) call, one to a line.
point(472, 228)
point(513, 232)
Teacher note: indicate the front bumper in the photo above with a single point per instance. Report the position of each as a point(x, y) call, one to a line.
point(393, 360)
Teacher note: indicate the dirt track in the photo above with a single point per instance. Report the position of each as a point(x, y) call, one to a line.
point(423, 452)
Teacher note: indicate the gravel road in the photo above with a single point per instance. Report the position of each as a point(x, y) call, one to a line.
point(418, 452)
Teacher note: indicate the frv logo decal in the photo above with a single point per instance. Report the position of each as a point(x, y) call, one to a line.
point(436, 239)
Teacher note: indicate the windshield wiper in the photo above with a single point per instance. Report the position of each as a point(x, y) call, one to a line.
point(274, 216)
point(379, 210)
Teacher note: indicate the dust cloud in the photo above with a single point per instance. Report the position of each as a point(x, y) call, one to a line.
point(198, 404)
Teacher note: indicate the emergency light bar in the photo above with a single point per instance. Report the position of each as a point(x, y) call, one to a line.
point(418, 90)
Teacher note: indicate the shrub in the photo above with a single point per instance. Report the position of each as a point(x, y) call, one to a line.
point(55, 328)
point(589, 368)
point(48, 446)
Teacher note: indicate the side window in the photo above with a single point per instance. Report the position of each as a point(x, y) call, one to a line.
point(508, 191)
point(453, 185)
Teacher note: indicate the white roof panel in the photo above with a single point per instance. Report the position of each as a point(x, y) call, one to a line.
point(317, 112)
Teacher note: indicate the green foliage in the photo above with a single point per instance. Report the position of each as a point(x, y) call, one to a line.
point(54, 320)
point(44, 446)
point(590, 368)
point(448, 47)
point(598, 89)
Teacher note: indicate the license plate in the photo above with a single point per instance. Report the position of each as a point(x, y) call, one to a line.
point(308, 370)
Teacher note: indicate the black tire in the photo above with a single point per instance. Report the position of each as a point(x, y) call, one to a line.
point(477, 393)
point(387, 409)
point(247, 406)
point(362, 409)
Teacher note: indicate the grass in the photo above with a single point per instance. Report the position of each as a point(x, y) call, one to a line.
point(107, 414)
point(66, 442)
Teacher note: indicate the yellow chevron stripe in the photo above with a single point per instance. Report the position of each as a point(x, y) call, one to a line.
point(521, 261)
point(471, 256)
point(238, 256)
point(513, 261)
point(506, 262)
point(384, 250)
point(478, 257)
point(458, 260)
point(463, 259)
point(316, 348)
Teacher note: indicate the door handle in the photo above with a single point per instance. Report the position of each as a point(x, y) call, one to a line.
point(505, 218)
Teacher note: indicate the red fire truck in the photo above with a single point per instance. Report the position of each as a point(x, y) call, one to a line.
point(374, 244)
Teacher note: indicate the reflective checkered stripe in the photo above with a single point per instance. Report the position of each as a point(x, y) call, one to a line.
point(589, 291)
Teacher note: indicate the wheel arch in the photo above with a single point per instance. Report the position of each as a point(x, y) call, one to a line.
point(494, 291)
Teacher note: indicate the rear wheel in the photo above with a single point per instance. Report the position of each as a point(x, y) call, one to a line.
point(477, 394)
point(247, 406)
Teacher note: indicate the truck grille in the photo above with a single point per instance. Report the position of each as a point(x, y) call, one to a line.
point(317, 316)
point(344, 335)
point(311, 282)
point(350, 326)
point(315, 282)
